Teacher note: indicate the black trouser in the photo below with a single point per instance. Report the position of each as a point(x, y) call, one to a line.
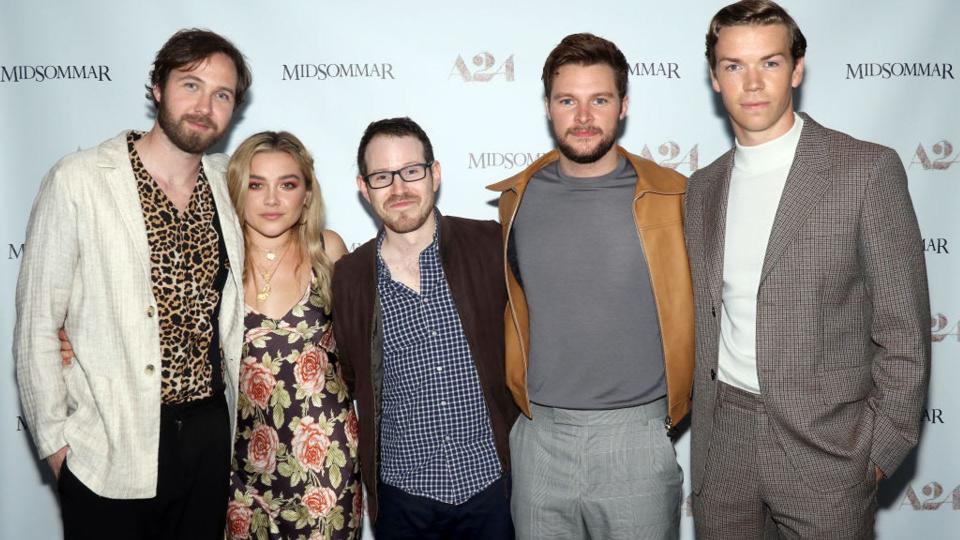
point(485, 516)
point(192, 479)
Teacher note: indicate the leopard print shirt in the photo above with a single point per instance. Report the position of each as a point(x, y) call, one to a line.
point(185, 260)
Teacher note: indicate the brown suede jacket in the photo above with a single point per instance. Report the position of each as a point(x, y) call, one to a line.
point(472, 257)
point(658, 213)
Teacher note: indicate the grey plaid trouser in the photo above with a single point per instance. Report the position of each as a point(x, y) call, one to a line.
point(609, 474)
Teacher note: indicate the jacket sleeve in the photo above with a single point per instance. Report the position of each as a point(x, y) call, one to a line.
point(891, 247)
point(343, 352)
point(47, 272)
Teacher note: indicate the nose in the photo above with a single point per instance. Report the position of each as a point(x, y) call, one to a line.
point(753, 81)
point(584, 114)
point(204, 104)
point(272, 196)
point(398, 186)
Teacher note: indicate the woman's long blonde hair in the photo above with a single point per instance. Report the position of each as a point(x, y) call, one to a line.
point(311, 225)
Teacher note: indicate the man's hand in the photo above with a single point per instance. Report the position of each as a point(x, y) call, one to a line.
point(66, 349)
point(879, 473)
point(56, 460)
point(66, 355)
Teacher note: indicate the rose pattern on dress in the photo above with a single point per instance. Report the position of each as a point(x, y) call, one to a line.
point(256, 382)
point(319, 501)
point(357, 516)
point(310, 444)
point(238, 519)
point(311, 370)
point(353, 429)
point(262, 449)
point(295, 471)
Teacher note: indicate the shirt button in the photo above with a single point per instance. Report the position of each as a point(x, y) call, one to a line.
point(150, 311)
point(444, 403)
point(433, 333)
point(439, 369)
point(149, 369)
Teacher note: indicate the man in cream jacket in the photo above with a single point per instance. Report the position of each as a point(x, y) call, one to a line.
point(134, 249)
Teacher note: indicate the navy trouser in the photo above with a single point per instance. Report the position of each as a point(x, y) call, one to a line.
point(485, 516)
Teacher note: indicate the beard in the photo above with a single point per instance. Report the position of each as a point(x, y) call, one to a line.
point(182, 137)
point(404, 222)
point(589, 155)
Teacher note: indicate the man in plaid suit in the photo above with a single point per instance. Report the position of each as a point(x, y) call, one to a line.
point(812, 314)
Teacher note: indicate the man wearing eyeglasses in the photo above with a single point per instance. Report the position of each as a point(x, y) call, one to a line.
point(419, 326)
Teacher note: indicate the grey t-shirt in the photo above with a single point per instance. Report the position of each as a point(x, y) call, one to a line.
point(594, 334)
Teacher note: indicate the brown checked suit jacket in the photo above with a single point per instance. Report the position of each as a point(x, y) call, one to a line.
point(843, 315)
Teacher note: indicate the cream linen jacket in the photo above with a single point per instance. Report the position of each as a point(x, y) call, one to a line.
point(86, 267)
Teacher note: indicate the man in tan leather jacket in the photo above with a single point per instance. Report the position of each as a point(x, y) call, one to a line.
point(599, 325)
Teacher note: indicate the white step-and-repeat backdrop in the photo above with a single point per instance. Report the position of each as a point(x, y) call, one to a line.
point(72, 74)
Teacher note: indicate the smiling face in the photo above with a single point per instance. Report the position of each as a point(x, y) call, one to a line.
point(585, 111)
point(197, 103)
point(403, 207)
point(755, 76)
point(275, 197)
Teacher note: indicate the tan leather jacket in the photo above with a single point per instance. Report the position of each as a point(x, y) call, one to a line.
point(658, 214)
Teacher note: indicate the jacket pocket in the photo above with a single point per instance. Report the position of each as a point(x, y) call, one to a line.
point(846, 385)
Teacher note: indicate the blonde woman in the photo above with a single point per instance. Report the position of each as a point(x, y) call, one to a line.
point(295, 471)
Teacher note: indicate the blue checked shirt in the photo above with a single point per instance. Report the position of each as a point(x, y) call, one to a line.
point(435, 434)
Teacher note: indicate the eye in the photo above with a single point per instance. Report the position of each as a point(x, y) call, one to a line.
point(190, 85)
point(289, 185)
point(381, 177)
point(566, 102)
point(254, 186)
point(224, 96)
point(771, 64)
point(601, 101)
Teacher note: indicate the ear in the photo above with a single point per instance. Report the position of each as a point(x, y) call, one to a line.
point(713, 80)
point(797, 77)
point(362, 186)
point(624, 103)
point(157, 94)
point(435, 174)
point(546, 107)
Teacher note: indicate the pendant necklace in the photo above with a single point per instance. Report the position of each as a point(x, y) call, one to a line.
point(268, 274)
point(268, 253)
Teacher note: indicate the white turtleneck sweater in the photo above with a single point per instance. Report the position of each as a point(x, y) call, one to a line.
point(756, 184)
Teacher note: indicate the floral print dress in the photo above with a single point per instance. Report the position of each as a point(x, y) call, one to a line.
point(295, 472)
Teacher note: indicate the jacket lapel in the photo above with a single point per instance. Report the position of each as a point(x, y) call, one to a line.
point(715, 224)
point(806, 183)
point(229, 225)
point(114, 163)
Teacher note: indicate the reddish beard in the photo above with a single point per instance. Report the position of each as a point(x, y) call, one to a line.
point(590, 155)
point(402, 221)
point(184, 138)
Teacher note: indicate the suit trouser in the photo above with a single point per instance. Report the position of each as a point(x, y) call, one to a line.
point(609, 474)
point(751, 489)
point(192, 484)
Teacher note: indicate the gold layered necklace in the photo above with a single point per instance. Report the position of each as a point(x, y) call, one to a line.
point(268, 253)
point(268, 274)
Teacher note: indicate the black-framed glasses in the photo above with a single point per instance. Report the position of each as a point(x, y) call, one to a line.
point(410, 173)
